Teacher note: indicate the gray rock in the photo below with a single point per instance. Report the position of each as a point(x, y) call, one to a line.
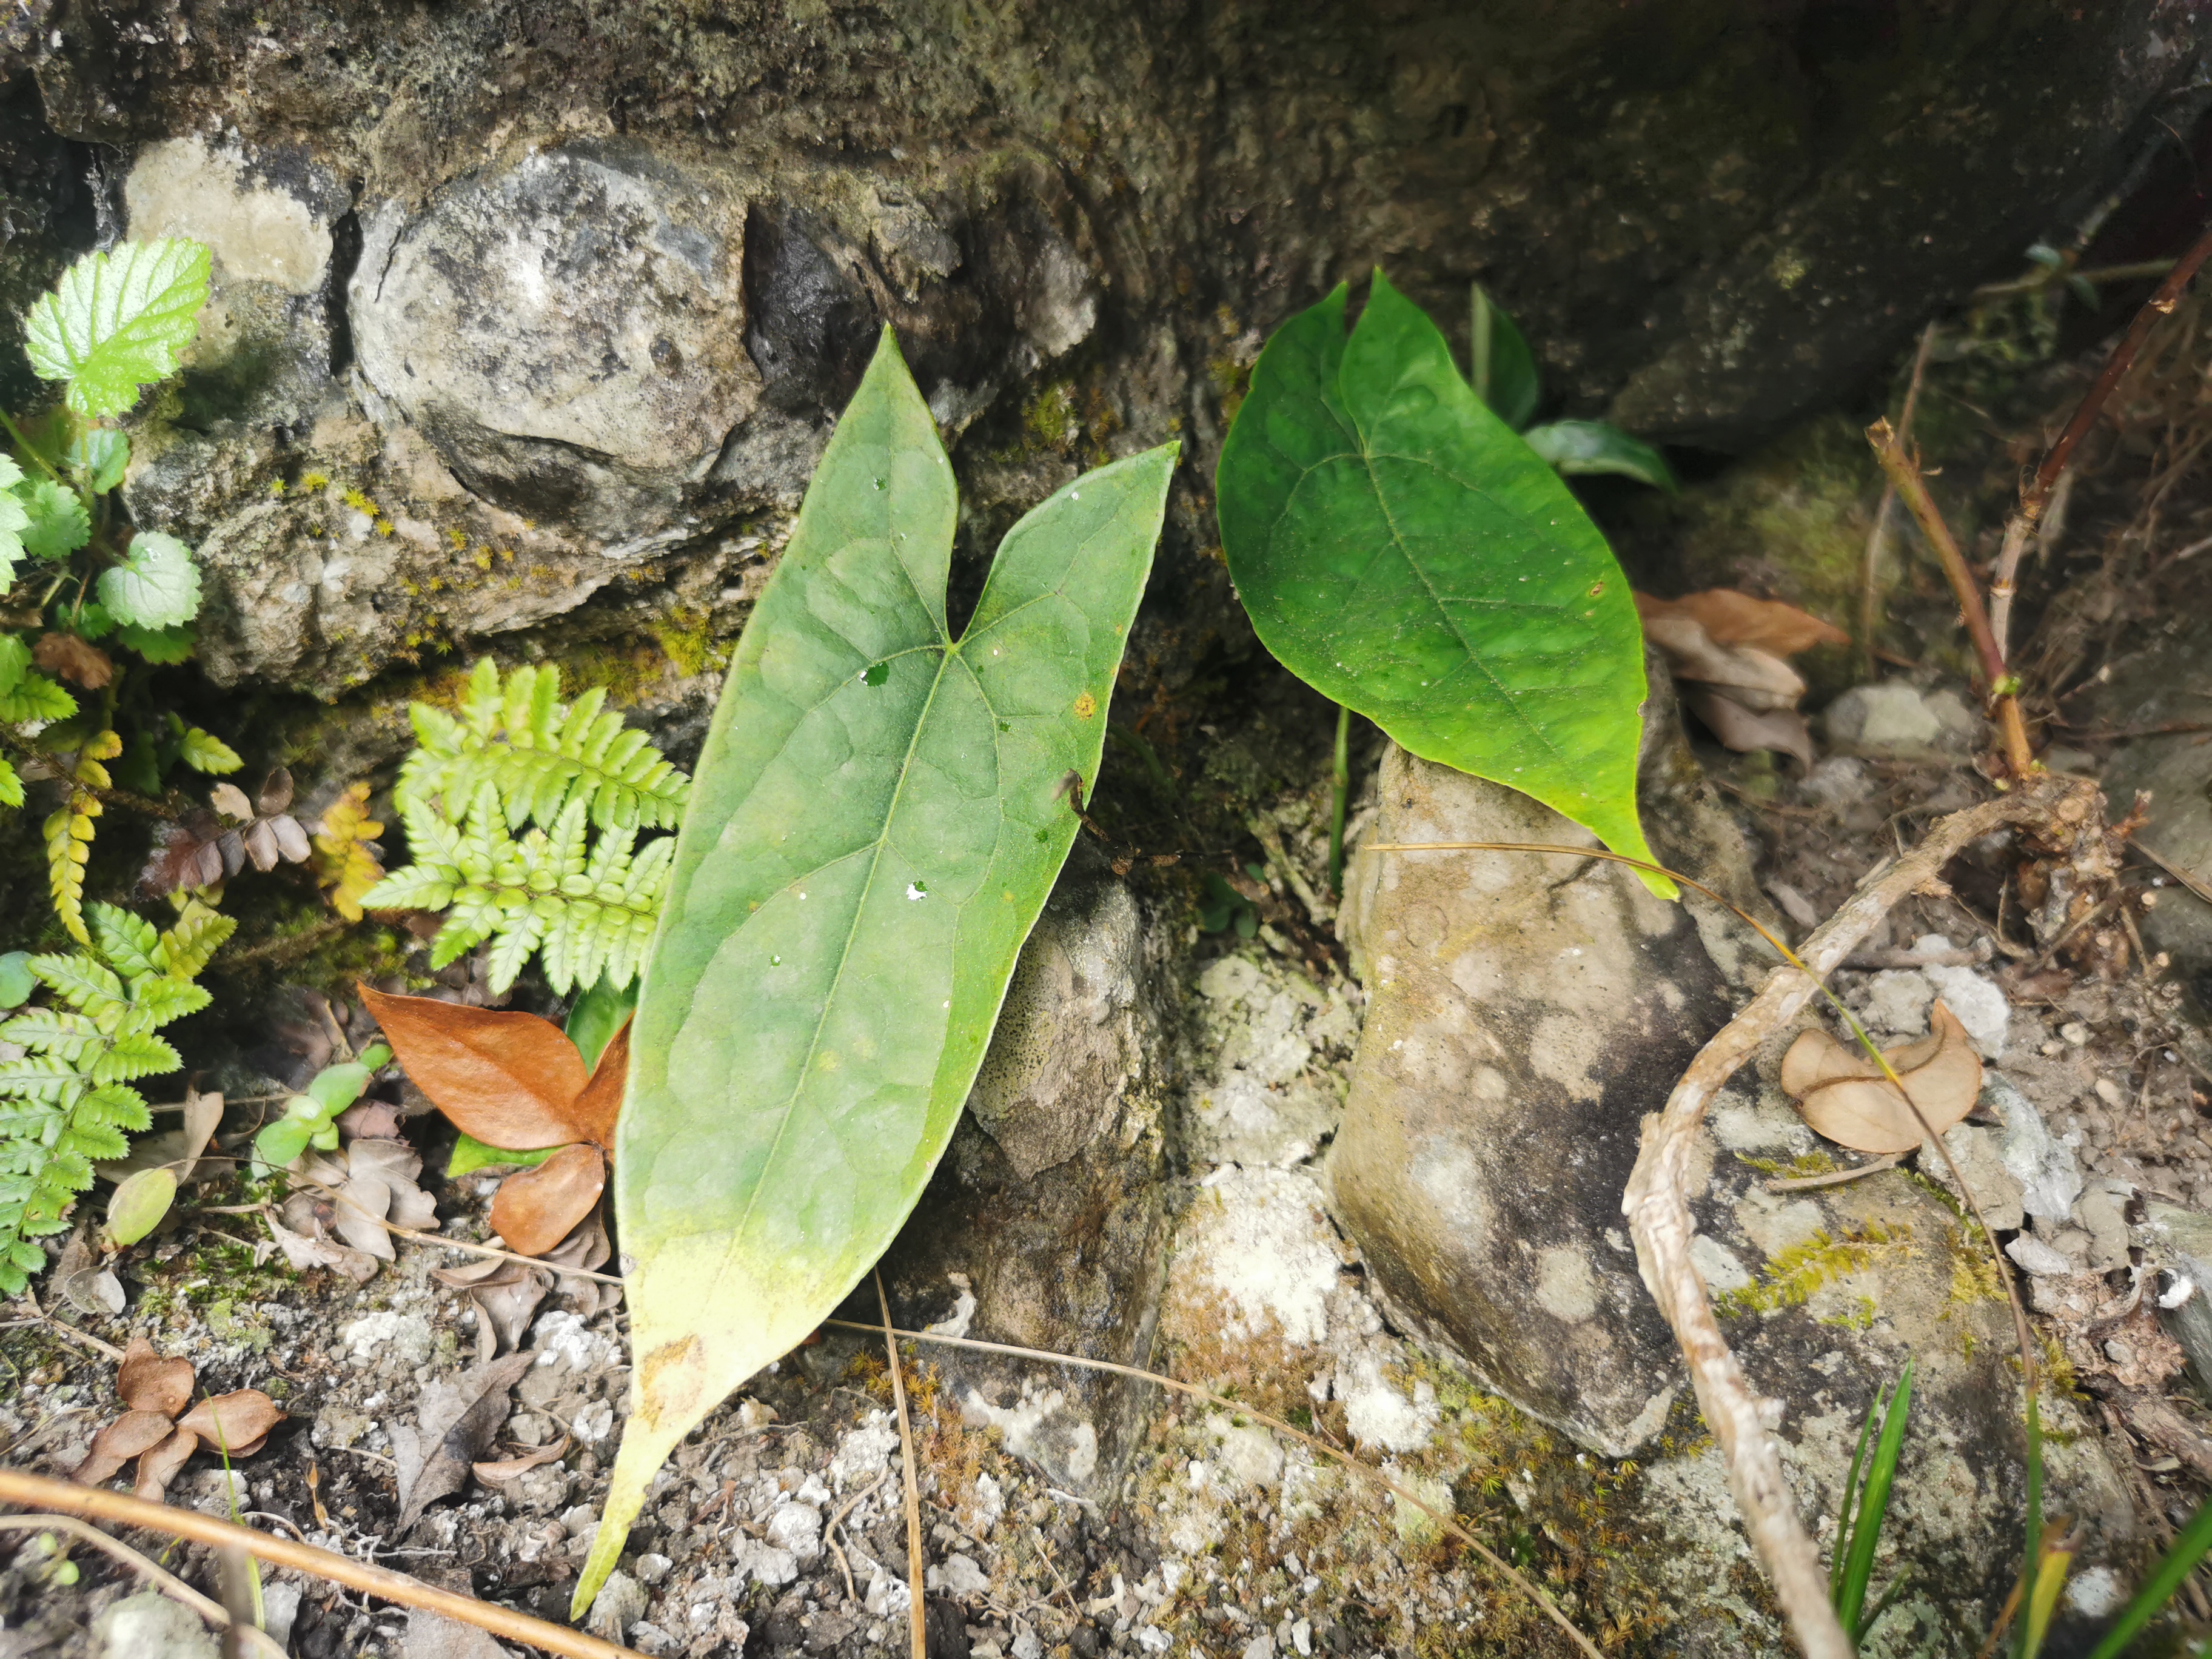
point(149, 1626)
point(621, 1602)
point(568, 331)
point(1980, 1158)
point(2168, 682)
point(1523, 1015)
point(1068, 1038)
point(1890, 717)
point(1067, 1257)
point(2179, 1240)
point(2049, 1175)
point(2100, 1214)
point(433, 1635)
point(1973, 997)
point(1897, 1000)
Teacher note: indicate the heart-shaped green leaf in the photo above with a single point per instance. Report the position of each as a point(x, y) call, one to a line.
point(863, 856)
point(1401, 552)
point(156, 586)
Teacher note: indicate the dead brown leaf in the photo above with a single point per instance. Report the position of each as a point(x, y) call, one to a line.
point(586, 1248)
point(74, 660)
point(508, 1079)
point(597, 1108)
point(507, 1294)
point(303, 1231)
point(160, 1464)
point(146, 1381)
point(537, 1209)
point(1729, 618)
point(124, 1438)
point(511, 1468)
point(1743, 730)
point(84, 1283)
point(237, 1422)
point(1756, 678)
point(454, 1429)
point(1842, 1094)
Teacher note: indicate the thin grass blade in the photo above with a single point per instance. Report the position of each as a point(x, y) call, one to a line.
point(2166, 1580)
point(1874, 1504)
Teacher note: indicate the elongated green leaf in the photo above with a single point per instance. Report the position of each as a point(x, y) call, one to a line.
point(1401, 552)
point(862, 857)
point(118, 320)
point(2163, 1584)
point(1577, 448)
point(1872, 1508)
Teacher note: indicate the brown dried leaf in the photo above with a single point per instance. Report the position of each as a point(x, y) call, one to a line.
point(291, 839)
point(203, 1117)
point(1743, 730)
point(586, 1248)
point(276, 794)
point(118, 1443)
point(1730, 618)
point(229, 800)
point(454, 1429)
point(1756, 678)
point(145, 1382)
point(1841, 1093)
point(510, 1468)
point(303, 1234)
point(507, 1294)
point(597, 1108)
point(85, 1285)
point(74, 660)
point(158, 1465)
point(185, 855)
point(508, 1079)
point(238, 1421)
point(260, 843)
point(538, 1208)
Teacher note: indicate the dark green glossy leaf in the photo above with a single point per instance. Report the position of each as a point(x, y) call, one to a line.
point(597, 1015)
point(860, 860)
point(1505, 374)
point(1587, 446)
point(1405, 554)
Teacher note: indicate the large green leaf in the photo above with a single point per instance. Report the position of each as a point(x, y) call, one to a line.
point(1401, 552)
point(877, 817)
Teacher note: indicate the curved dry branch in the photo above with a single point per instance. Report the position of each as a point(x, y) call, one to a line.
point(1658, 1206)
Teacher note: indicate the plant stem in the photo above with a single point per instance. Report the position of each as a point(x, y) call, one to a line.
point(29, 448)
point(917, 1615)
point(1885, 514)
point(1341, 779)
point(361, 1576)
point(1903, 473)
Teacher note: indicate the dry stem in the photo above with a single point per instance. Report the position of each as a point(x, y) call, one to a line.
point(1657, 1206)
point(17, 1488)
point(1885, 514)
point(917, 1617)
point(160, 1577)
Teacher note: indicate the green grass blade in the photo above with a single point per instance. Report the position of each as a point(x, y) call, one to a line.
point(2034, 1555)
point(2042, 1602)
point(2161, 1586)
point(1844, 1513)
point(1874, 1504)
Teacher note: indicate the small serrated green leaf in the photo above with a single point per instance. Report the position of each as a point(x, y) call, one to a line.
point(98, 455)
point(1577, 448)
point(1402, 552)
point(58, 524)
point(15, 661)
point(160, 645)
point(206, 753)
point(119, 320)
point(136, 1206)
point(11, 787)
point(156, 586)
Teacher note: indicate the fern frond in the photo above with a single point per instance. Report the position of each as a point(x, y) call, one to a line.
point(205, 753)
point(88, 986)
point(540, 755)
point(127, 941)
point(133, 1055)
point(55, 1031)
point(68, 833)
point(199, 932)
point(35, 697)
point(346, 865)
point(11, 786)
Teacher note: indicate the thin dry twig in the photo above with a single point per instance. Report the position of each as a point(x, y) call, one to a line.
point(89, 1341)
point(1904, 471)
point(1884, 515)
point(1836, 1177)
point(917, 1615)
point(837, 1520)
point(91, 1502)
point(1658, 1206)
point(2035, 493)
point(1445, 1522)
point(158, 1577)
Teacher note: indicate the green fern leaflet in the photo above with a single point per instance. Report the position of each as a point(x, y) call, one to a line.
point(66, 1103)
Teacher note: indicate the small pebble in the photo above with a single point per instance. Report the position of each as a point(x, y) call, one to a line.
point(2109, 1092)
point(2075, 1032)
